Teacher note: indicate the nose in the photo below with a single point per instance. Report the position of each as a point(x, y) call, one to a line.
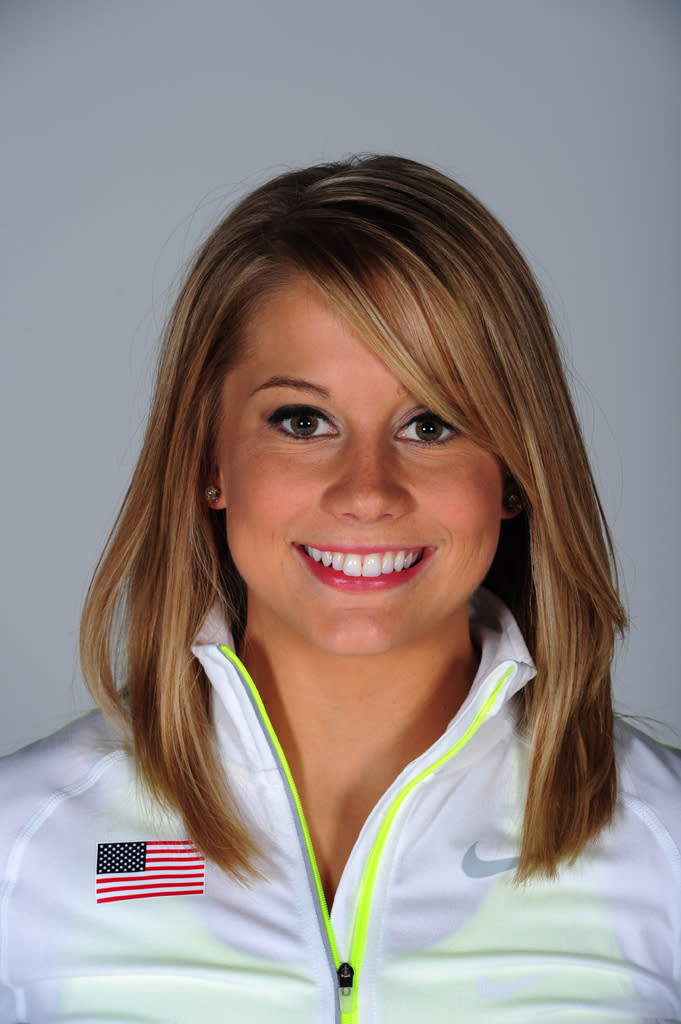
point(367, 484)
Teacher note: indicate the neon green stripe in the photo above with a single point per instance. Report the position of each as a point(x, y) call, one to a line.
point(371, 870)
point(351, 1015)
point(296, 799)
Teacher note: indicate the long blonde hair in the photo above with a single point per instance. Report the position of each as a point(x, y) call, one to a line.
point(434, 284)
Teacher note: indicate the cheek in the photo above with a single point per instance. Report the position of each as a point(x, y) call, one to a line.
point(272, 487)
point(265, 501)
point(471, 515)
point(473, 498)
point(251, 536)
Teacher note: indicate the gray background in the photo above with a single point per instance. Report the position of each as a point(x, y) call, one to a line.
point(127, 127)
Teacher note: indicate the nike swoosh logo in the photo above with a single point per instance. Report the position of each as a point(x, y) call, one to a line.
point(474, 867)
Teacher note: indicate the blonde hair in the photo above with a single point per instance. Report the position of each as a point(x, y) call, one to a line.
point(435, 285)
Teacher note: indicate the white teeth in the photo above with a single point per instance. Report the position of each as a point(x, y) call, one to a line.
point(373, 565)
point(352, 566)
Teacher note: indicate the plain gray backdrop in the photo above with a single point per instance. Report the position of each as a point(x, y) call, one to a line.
point(127, 127)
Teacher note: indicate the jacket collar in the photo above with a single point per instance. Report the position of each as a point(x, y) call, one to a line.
point(239, 732)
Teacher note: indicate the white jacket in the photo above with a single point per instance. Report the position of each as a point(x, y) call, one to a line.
point(108, 915)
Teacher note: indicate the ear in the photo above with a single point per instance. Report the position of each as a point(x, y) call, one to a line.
point(511, 503)
point(215, 491)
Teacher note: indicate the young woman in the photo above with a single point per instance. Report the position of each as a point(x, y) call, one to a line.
point(352, 637)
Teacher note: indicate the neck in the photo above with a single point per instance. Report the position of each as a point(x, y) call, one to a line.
point(349, 725)
point(404, 697)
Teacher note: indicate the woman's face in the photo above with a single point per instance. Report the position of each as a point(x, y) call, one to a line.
point(359, 521)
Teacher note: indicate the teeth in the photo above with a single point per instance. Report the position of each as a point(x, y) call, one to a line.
point(352, 566)
point(373, 565)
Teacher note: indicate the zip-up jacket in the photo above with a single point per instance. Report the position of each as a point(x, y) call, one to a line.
point(109, 914)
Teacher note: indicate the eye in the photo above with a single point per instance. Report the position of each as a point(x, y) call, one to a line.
point(300, 421)
point(427, 427)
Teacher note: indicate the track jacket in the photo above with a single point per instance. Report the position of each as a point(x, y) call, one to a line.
point(108, 914)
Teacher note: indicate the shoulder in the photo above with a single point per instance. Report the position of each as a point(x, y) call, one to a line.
point(36, 780)
point(65, 754)
point(649, 780)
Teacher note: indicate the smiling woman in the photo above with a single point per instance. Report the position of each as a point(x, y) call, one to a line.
point(407, 525)
point(352, 637)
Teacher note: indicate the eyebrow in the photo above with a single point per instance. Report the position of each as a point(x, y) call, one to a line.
point(291, 382)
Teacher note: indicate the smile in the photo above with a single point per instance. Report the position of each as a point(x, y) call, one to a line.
point(378, 563)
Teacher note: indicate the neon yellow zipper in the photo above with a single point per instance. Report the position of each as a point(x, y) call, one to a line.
point(348, 972)
point(294, 792)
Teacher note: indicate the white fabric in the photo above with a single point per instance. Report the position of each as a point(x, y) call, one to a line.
point(450, 936)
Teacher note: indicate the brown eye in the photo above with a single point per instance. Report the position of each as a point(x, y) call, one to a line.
point(304, 424)
point(427, 428)
point(300, 421)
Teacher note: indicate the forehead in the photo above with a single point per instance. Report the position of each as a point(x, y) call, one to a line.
point(296, 331)
point(294, 308)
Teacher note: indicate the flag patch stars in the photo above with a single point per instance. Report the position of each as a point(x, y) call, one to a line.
point(140, 870)
point(115, 857)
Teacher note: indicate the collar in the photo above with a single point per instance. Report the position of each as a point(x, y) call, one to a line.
point(243, 741)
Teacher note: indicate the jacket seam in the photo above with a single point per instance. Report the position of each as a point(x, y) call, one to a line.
point(401, 820)
point(21, 843)
point(670, 851)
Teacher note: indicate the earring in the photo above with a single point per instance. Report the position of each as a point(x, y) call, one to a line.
point(513, 503)
point(212, 494)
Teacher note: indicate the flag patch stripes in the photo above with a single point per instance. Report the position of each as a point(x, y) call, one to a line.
point(140, 870)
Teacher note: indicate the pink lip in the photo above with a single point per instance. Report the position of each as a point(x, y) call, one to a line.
point(361, 584)
point(363, 549)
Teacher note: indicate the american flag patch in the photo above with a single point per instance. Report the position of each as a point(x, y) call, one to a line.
point(136, 871)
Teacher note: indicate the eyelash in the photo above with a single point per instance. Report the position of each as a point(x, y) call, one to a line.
point(434, 418)
point(288, 412)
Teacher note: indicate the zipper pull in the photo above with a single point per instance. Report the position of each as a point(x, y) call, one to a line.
point(345, 975)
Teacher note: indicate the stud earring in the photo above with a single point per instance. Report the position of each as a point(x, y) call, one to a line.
point(513, 503)
point(212, 494)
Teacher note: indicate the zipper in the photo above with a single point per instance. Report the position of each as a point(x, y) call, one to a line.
point(347, 972)
point(344, 972)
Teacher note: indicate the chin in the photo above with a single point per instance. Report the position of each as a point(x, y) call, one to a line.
point(356, 639)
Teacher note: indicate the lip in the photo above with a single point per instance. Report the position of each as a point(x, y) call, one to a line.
point(363, 549)
point(362, 584)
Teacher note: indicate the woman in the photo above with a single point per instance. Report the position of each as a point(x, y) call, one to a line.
point(354, 626)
